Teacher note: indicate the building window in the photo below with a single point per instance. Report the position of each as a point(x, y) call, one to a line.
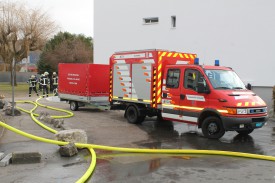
point(173, 21)
point(152, 20)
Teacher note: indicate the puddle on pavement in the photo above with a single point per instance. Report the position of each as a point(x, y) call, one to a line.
point(171, 135)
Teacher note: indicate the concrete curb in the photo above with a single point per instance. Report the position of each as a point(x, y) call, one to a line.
point(6, 160)
point(25, 157)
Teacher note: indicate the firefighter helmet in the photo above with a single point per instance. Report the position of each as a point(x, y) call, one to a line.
point(46, 73)
point(32, 76)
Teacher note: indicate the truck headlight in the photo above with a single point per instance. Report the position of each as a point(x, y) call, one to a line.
point(236, 111)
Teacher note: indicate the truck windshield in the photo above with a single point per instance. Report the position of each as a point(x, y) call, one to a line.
point(224, 79)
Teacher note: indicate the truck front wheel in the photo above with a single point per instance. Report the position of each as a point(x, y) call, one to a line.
point(73, 105)
point(133, 116)
point(212, 127)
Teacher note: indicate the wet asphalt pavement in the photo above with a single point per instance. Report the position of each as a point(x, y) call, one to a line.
point(110, 128)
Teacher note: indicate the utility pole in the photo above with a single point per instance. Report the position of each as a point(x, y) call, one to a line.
point(12, 79)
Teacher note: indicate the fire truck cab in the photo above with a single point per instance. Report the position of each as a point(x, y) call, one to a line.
point(173, 86)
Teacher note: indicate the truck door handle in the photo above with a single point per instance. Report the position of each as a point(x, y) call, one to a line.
point(182, 96)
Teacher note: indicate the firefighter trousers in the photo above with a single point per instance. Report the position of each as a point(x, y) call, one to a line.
point(45, 90)
point(30, 91)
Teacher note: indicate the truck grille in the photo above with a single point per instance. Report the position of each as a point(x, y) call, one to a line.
point(257, 110)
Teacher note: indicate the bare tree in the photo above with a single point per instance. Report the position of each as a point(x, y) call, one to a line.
point(22, 30)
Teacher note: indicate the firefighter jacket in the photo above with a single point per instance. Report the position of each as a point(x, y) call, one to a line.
point(32, 82)
point(44, 81)
point(55, 80)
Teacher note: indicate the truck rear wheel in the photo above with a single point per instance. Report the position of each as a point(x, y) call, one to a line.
point(73, 105)
point(132, 115)
point(212, 127)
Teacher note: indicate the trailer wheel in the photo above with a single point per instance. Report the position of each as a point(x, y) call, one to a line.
point(132, 115)
point(73, 105)
point(245, 132)
point(212, 128)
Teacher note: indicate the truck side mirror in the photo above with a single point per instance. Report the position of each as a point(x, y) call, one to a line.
point(249, 86)
point(202, 88)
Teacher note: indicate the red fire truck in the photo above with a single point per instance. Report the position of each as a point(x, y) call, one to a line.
point(167, 84)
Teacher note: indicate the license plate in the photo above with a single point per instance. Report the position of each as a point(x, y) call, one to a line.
point(259, 124)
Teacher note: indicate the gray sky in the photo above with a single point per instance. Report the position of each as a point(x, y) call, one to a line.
point(74, 16)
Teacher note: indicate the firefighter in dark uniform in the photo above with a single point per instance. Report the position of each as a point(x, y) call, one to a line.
point(45, 81)
point(55, 82)
point(32, 85)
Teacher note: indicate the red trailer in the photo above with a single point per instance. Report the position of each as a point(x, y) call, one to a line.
point(84, 85)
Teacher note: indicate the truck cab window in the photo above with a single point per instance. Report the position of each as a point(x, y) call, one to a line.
point(191, 79)
point(172, 80)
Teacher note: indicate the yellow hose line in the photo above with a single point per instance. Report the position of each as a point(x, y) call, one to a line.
point(119, 149)
point(137, 150)
point(70, 114)
point(34, 137)
point(91, 168)
point(34, 119)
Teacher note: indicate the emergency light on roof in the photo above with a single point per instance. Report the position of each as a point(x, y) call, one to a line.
point(217, 63)
point(196, 61)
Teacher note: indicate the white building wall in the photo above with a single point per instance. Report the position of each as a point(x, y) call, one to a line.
point(241, 33)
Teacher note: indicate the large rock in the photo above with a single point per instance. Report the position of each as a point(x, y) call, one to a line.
point(45, 117)
point(57, 123)
point(8, 110)
point(2, 103)
point(72, 135)
point(68, 150)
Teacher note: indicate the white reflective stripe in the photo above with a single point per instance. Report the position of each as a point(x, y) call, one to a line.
point(168, 106)
point(188, 118)
point(178, 117)
point(180, 62)
point(195, 98)
point(242, 93)
point(241, 97)
point(137, 55)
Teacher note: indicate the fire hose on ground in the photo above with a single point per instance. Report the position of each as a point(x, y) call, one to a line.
point(91, 147)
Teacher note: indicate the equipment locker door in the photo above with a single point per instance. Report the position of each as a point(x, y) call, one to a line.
point(171, 93)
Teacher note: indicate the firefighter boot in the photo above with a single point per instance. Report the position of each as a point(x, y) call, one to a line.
point(30, 95)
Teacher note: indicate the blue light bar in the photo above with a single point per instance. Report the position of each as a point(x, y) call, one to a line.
point(196, 61)
point(217, 63)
